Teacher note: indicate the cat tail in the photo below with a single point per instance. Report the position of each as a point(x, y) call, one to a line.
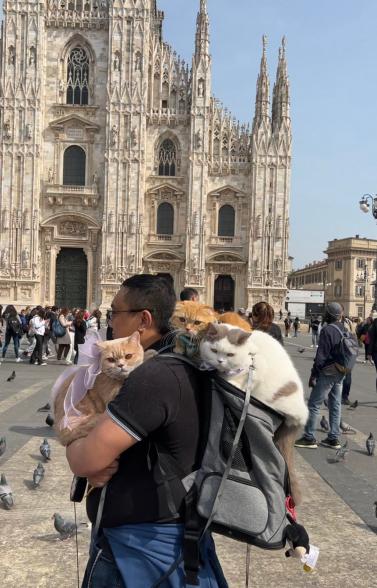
point(285, 438)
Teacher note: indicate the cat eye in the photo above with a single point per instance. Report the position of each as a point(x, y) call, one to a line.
point(182, 319)
point(129, 356)
point(230, 354)
point(111, 359)
point(198, 323)
point(214, 350)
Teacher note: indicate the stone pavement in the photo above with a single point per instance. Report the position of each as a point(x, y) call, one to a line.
point(32, 556)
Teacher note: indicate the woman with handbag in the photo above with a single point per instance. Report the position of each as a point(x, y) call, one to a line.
point(63, 339)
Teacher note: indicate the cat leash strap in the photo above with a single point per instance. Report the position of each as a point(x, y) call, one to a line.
point(77, 547)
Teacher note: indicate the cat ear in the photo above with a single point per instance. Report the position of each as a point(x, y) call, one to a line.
point(212, 333)
point(238, 336)
point(102, 344)
point(135, 338)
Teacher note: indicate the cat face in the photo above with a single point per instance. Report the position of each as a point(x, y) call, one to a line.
point(120, 356)
point(227, 349)
point(191, 320)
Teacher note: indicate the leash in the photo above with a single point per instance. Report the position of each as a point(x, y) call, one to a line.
point(77, 548)
point(248, 558)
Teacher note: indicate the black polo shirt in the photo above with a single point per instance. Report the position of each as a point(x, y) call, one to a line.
point(160, 405)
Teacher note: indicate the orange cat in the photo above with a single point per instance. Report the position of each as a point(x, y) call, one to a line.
point(118, 359)
point(234, 319)
point(190, 321)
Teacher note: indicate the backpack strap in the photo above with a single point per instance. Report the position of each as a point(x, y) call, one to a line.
point(342, 334)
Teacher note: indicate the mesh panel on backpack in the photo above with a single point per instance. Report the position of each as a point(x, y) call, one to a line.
point(242, 459)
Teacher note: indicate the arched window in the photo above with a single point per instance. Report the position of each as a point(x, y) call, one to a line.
point(165, 219)
point(78, 77)
point(167, 158)
point(74, 166)
point(338, 289)
point(226, 221)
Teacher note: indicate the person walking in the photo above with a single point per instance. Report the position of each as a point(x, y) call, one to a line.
point(13, 331)
point(296, 326)
point(79, 325)
point(287, 325)
point(141, 528)
point(326, 381)
point(372, 345)
point(37, 326)
point(347, 382)
point(109, 329)
point(1, 325)
point(316, 329)
point(262, 317)
point(362, 332)
point(64, 341)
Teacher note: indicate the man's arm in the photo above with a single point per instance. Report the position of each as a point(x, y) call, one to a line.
point(94, 453)
point(323, 351)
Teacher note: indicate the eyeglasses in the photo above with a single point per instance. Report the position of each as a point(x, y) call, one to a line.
point(113, 313)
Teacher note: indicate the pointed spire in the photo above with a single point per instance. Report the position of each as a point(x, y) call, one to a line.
point(281, 98)
point(262, 101)
point(202, 32)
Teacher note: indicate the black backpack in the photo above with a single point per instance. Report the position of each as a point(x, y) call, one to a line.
point(14, 326)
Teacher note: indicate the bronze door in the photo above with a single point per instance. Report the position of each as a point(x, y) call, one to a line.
point(71, 278)
point(224, 293)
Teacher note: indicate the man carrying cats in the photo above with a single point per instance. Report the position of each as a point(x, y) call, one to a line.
point(326, 381)
point(154, 419)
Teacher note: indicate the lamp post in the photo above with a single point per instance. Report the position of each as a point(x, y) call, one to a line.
point(362, 278)
point(368, 203)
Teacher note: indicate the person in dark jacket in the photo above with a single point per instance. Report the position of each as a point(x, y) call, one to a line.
point(80, 331)
point(13, 331)
point(372, 344)
point(262, 317)
point(326, 381)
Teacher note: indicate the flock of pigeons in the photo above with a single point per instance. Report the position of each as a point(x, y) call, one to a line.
point(66, 529)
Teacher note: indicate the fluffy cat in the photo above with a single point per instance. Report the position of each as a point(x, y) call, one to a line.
point(118, 358)
point(275, 382)
point(190, 322)
point(234, 319)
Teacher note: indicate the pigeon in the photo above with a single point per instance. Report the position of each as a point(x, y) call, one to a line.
point(354, 405)
point(341, 453)
point(66, 529)
point(375, 509)
point(45, 408)
point(3, 445)
point(45, 450)
point(301, 350)
point(371, 444)
point(49, 420)
point(6, 495)
point(12, 376)
point(324, 424)
point(346, 429)
point(38, 475)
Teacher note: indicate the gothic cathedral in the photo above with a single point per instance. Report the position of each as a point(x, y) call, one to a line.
point(116, 159)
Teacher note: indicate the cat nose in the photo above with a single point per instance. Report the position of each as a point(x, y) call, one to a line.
point(220, 361)
point(120, 365)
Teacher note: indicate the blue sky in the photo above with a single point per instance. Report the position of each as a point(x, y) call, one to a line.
point(332, 61)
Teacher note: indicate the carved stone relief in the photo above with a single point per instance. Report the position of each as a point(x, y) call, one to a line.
point(73, 228)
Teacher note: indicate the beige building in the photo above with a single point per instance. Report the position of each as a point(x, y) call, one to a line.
point(116, 159)
point(347, 275)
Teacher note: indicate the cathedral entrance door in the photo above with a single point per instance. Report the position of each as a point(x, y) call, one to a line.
point(224, 293)
point(71, 278)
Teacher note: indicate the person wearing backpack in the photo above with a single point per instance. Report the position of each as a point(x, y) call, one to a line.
point(13, 331)
point(154, 422)
point(326, 379)
point(287, 325)
point(296, 326)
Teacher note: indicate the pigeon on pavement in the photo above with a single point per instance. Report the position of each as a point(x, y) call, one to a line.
point(371, 444)
point(301, 350)
point(49, 420)
point(66, 529)
point(341, 453)
point(346, 429)
point(38, 475)
point(354, 405)
point(3, 445)
point(45, 450)
point(45, 408)
point(6, 495)
point(12, 376)
point(324, 424)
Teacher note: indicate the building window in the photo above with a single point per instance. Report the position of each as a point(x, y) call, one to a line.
point(78, 77)
point(165, 219)
point(167, 158)
point(360, 311)
point(359, 290)
point(338, 289)
point(338, 264)
point(227, 217)
point(74, 166)
point(360, 263)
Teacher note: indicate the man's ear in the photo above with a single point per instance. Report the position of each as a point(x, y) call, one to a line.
point(146, 321)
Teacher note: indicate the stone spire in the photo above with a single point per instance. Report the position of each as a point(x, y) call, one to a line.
point(262, 101)
point(202, 32)
point(281, 98)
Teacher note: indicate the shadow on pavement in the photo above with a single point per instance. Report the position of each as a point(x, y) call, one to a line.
point(33, 431)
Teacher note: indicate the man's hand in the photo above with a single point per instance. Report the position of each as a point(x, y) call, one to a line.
point(102, 478)
point(312, 381)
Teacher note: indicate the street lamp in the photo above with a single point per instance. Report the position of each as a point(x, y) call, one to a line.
point(362, 277)
point(369, 203)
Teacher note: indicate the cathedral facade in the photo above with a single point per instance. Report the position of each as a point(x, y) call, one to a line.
point(116, 159)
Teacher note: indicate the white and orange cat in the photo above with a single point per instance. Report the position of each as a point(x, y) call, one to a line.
point(118, 359)
point(275, 381)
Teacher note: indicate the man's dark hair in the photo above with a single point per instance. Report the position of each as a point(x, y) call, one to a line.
point(153, 293)
point(189, 294)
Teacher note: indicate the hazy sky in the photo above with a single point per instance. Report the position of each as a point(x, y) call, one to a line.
point(332, 61)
